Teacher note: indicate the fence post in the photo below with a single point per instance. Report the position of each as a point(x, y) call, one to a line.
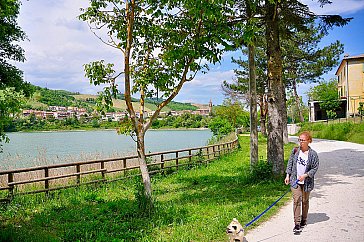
point(46, 182)
point(177, 160)
point(103, 172)
point(213, 150)
point(78, 170)
point(201, 156)
point(190, 156)
point(207, 154)
point(162, 162)
point(124, 166)
point(11, 187)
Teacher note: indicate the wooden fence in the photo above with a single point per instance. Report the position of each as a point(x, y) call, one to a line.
point(61, 176)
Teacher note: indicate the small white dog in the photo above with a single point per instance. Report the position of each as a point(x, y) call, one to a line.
point(235, 231)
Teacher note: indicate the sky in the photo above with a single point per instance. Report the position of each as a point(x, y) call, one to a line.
point(60, 44)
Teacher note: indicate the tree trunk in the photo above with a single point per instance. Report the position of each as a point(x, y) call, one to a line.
point(141, 149)
point(275, 152)
point(284, 116)
point(253, 108)
point(143, 165)
point(137, 124)
point(298, 101)
point(263, 115)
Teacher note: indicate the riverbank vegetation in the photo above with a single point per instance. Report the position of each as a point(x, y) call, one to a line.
point(347, 131)
point(33, 123)
point(191, 205)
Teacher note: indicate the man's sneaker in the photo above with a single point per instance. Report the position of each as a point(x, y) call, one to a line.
point(303, 223)
point(297, 228)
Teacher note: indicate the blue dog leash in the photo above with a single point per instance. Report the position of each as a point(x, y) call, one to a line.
point(257, 217)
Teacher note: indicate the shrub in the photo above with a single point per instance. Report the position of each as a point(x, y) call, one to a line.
point(261, 171)
point(220, 126)
point(337, 131)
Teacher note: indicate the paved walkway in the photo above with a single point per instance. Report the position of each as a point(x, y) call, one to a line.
point(336, 203)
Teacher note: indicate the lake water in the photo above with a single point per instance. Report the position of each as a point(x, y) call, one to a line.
point(42, 148)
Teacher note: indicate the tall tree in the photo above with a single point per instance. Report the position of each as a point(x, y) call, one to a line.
point(275, 154)
point(163, 44)
point(12, 84)
point(239, 87)
point(280, 16)
point(245, 24)
point(292, 110)
point(251, 40)
point(10, 36)
point(305, 62)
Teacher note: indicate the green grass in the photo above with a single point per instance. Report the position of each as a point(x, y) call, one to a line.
point(191, 205)
point(348, 131)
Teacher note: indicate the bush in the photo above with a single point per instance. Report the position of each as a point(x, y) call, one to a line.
point(261, 171)
point(338, 131)
point(220, 126)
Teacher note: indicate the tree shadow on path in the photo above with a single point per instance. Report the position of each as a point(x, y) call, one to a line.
point(317, 218)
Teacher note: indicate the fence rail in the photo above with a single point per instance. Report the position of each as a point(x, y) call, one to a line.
point(60, 176)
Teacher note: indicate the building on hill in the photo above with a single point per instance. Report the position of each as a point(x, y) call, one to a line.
point(350, 82)
point(114, 116)
point(56, 112)
point(204, 110)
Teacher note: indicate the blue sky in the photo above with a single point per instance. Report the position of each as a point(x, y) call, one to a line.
point(59, 44)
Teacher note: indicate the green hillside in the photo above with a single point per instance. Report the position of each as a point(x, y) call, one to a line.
point(43, 97)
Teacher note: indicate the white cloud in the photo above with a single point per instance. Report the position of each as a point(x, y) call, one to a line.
point(336, 7)
point(205, 87)
point(59, 45)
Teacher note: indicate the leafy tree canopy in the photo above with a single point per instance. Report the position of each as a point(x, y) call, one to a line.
point(12, 85)
point(234, 113)
point(169, 40)
point(10, 35)
point(326, 93)
point(10, 102)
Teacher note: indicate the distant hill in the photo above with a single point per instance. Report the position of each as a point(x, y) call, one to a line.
point(43, 97)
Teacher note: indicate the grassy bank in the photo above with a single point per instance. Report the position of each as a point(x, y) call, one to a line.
point(337, 131)
point(191, 205)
